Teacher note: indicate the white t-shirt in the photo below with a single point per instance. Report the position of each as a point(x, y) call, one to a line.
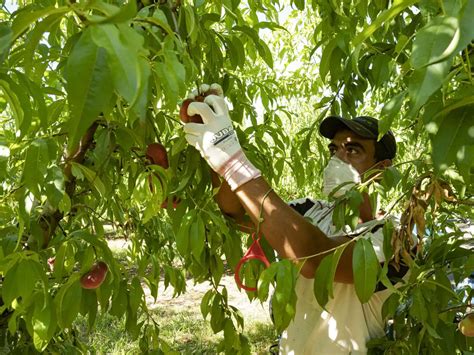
point(347, 324)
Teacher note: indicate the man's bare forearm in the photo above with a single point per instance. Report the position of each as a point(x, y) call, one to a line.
point(291, 235)
point(227, 200)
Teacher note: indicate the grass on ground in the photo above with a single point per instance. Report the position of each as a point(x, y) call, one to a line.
point(186, 332)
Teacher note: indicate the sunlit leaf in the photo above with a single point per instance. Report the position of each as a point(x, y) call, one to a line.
point(88, 86)
point(365, 267)
point(435, 42)
point(456, 130)
point(383, 18)
point(67, 301)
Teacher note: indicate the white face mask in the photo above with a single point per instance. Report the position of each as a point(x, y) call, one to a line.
point(336, 173)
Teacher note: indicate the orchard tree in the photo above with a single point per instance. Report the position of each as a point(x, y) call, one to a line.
point(89, 88)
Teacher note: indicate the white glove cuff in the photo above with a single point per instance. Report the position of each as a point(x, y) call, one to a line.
point(238, 170)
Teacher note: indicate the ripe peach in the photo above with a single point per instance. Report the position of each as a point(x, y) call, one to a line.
point(214, 89)
point(183, 112)
point(156, 153)
point(95, 276)
point(466, 325)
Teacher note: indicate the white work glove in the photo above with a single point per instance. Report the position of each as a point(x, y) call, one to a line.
point(217, 141)
point(206, 89)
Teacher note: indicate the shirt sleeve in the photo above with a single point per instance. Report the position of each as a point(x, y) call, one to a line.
point(301, 205)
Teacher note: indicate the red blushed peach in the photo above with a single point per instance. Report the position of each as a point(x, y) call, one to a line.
point(95, 276)
point(156, 154)
point(183, 112)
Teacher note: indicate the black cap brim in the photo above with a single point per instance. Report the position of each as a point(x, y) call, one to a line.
point(332, 124)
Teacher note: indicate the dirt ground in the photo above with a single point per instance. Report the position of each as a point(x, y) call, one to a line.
point(252, 311)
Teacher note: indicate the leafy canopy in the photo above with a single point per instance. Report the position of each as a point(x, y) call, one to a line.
point(86, 86)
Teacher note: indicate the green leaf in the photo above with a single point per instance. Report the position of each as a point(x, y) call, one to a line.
point(21, 280)
point(230, 336)
point(389, 111)
point(55, 109)
point(190, 21)
point(419, 309)
point(390, 305)
point(465, 22)
point(130, 73)
point(381, 69)
point(159, 18)
point(182, 237)
point(284, 296)
point(335, 262)
point(384, 18)
point(88, 86)
point(217, 314)
point(68, 301)
point(36, 166)
point(197, 236)
point(119, 300)
point(391, 177)
point(322, 280)
point(38, 95)
point(464, 163)
point(216, 267)
point(271, 25)
point(19, 103)
point(89, 306)
point(324, 276)
point(54, 188)
point(140, 101)
point(365, 268)
point(99, 243)
point(25, 18)
point(388, 230)
point(299, 4)
point(114, 14)
point(455, 131)
point(325, 64)
point(6, 38)
point(43, 321)
point(60, 257)
point(264, 281)
point(205, 303)
point(171, 74)
point(338, 215)
point(261, 46)
point(136, 294)
point(80, 170)
point(35, 37)
point(435, 42)
point(425, 81)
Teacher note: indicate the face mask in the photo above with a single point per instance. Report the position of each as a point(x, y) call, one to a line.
point(336, 173)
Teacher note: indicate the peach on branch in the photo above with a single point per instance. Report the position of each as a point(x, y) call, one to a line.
point(95, 276)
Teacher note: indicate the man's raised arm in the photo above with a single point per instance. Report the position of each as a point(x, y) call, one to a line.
point(287, 232)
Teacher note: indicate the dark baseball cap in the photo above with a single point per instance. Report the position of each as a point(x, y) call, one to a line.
point(364, 126)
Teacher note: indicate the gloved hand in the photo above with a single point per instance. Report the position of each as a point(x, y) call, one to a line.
point(217, 141)
point(205, 90)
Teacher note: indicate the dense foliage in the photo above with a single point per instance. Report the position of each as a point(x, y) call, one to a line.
point(86, 86)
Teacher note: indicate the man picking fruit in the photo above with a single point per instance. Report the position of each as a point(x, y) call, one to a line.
point(304, 227)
